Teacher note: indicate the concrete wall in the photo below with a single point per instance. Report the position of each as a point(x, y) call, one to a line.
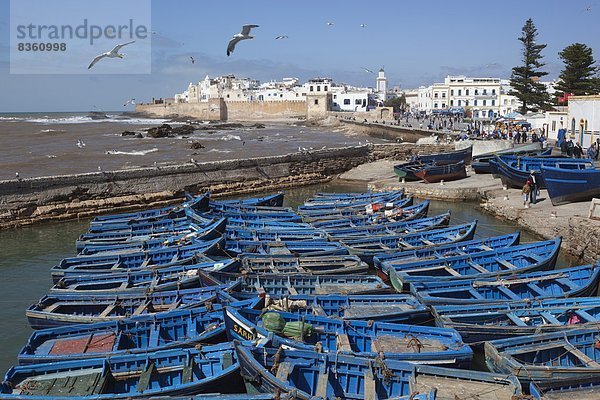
point(484, 146)
point(383, 131)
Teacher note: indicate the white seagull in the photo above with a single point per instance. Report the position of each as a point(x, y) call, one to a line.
point(243, 35)
point(330, 24)
point(17, 175)
point(368, 70)
point(130, 101)
point(114, 53)
point(281, 37)
point(192, 60)
point(363, 25)
point(80, 143)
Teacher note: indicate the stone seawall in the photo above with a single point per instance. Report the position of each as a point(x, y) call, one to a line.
point(26, 201)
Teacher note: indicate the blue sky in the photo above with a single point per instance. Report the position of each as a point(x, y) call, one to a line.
point(417, 42)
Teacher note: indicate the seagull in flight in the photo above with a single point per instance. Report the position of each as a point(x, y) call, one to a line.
point(281, 37)
point(363, 25)
point(243, 35)
point(130, 101)
point(588, 8)
point(192, 60)
point(80, 143)
point(330, 24)
point(114, 53)
point(368, 70)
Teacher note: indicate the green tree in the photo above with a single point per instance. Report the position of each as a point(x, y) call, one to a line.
point(398, 103)
point(525, 78)
point(579, 75)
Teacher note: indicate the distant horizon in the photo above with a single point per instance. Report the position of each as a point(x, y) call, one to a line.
point(417, 43)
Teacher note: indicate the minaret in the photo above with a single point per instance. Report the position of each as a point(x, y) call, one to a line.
point(382, 85)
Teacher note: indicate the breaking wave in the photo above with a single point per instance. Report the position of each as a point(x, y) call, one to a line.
point(131, 153)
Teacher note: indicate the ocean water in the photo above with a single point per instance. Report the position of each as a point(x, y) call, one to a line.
point(43, 144)
point(28, 254)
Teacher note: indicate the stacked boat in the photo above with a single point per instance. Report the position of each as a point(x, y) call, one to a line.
point(448, 166)
point(249, 299)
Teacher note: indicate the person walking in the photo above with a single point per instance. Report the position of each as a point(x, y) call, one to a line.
point(534, 188)
point(526, 191)
point(597, 148)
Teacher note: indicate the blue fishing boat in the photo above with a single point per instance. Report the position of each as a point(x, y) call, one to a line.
point(144, 280)
point(211, 232)
point(289, 234)
point(368, 196)
point(446, 172)
point(142, 225)
point(409, 213)
point(571, 185)
point(366, 248)
point(174, 372)
point(180, 328)
point(309, 207)
point(481, 162)
point(485, 322)
point(512, 261)
point(265, 224)
point(261, 216)
point(321, 265)
point(548, 357)
point(118, 262)
point(408, 170)
point(304, 248)
point(197, 203)
point(274, 200)
point(396, 308)
point(581, 388)
point(514, 171)
point(276, 285)
point(568, 282)
point(309, 375)
point(416, 344)
point(68, 309)
point(370, 209)
point(389, 228)
point(448, 250)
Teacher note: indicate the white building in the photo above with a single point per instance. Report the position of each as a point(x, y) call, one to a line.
point(584, 119)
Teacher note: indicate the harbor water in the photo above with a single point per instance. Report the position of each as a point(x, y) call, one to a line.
point(29, 253)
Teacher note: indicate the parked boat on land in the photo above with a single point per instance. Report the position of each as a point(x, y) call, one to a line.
point(514, 171)
point(446, 172)
point(571, 185)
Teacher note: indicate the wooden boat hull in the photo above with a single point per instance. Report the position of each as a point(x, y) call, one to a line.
point(309, 375)
point(569, 186)
point(447, 172)
point(361, 338)
point(568, 282)
point(550, 357)
point(486, 322)
point(175, 372)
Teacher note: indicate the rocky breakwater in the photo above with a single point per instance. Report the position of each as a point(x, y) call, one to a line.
point(27, 201)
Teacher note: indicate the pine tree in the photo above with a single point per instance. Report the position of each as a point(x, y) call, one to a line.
point(525, 79)
point(579, 75)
